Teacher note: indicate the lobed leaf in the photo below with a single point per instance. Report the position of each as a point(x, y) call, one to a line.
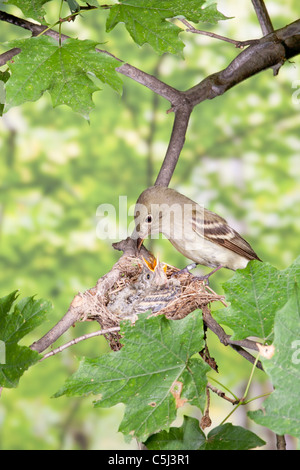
point(281, 411)
point(255, 294)
point(146, 20)
point(31, 8)
point(65, 71)
point(190, 437)
point(15, 322)
point(153, 374)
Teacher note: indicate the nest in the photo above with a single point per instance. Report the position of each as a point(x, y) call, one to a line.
point(180, 294)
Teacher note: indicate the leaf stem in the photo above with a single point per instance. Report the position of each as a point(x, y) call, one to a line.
point(255, 398)
point(250, 378)
point(242, 401)
point(60, 22)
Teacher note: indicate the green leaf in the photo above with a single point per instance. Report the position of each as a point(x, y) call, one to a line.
point(255, 294)
point(193, 10)
point(73, 5)
point(187, 437)
point(281, 412)
point(210, 14)
point(64, 71)
point(153, 374)
point(15, 322)
point(31, 8)
point(145, 20)
point(190, 437)
point(146, 25)
point(230, 437)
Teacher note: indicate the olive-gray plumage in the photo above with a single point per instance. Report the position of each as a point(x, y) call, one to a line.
point(197, 233)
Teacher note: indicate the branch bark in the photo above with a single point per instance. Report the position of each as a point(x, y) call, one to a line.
point(225, 339)
point(263, 16)
point(181, 121)
point(268, 52)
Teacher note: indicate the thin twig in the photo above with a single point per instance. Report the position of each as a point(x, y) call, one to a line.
point(80, 338)
point(225, 339)
point(8, 55)
point(239, 44)
point(222, 394)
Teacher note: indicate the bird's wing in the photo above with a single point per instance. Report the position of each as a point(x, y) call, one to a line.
point(215, 229)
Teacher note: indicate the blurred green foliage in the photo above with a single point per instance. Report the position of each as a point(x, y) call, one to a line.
point(241, 160)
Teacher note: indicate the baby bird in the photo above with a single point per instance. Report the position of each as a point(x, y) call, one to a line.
point(151, 291)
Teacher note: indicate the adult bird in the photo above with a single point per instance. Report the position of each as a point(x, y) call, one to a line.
point(197, 233)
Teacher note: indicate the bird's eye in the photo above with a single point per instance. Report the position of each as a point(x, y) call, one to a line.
point(148, 276)
point(149, 219)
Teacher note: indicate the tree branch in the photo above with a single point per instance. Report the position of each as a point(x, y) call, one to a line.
point(221, 394)
point(225, 339)
point(239, 44)
point(263, 16)
point(280, 442)
point(151, 82)
point(182, 116)
point(268, 52)
point(80, 338)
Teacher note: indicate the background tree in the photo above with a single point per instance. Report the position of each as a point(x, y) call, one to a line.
point(239, 159)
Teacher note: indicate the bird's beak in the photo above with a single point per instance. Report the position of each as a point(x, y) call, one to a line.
point(139, 243)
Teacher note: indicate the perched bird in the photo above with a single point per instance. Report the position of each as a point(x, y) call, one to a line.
point(197, 233)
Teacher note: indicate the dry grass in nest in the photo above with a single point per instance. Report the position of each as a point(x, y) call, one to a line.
point(191, 294)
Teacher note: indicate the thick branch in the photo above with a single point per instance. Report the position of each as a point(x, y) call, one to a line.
point(72, 316)
point(270, 50)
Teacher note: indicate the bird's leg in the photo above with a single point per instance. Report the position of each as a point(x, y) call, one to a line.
point(207, 276)
point(193, 266)
point(187, 269)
